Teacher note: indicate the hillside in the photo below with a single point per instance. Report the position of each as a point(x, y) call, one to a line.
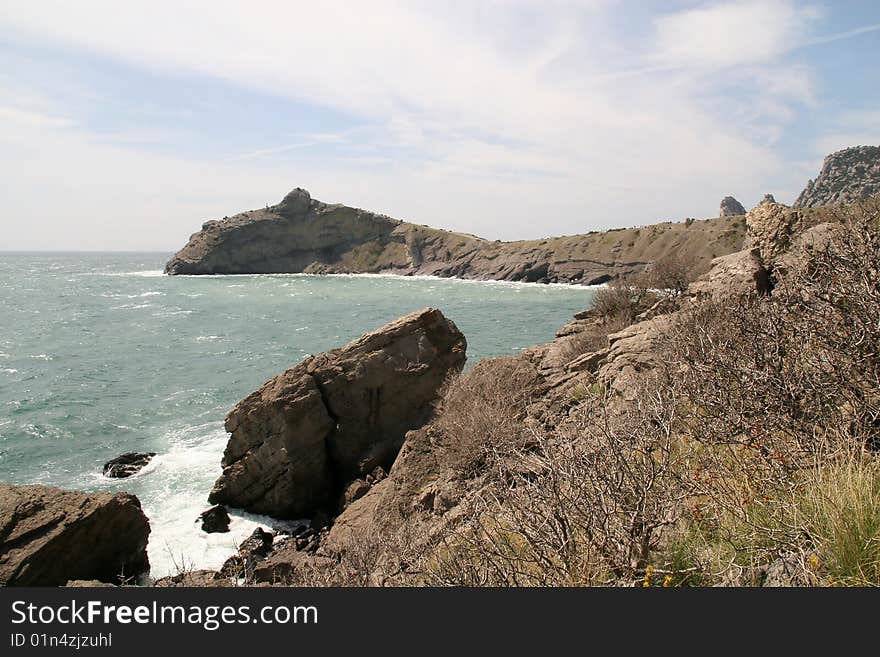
point(301, 234)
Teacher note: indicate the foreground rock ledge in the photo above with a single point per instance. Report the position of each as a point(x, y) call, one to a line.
point(49, 536)
point(305, 434)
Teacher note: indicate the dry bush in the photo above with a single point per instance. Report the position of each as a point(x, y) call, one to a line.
point(623, 300)
point(753, 444)
point(592, 338)
point(671, 273)
point(590, 509)
point(483, 410)
point(781, 394)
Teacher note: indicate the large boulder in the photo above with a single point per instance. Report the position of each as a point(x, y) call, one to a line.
point(770, 227)
point(305, 434)
point(215, 520)
point(738, 274)
point(49, 536)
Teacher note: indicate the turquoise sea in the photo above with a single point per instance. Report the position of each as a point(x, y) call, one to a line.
point(102, 354)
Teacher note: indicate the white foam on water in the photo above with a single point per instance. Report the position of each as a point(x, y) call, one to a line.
point(132, 306)
point(150, 273)
point(173, 491)
point(145, 294)
point(9, 370)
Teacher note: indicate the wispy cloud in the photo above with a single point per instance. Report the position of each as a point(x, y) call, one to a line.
point(307, 142)
point(848, 34)
point(509, 119)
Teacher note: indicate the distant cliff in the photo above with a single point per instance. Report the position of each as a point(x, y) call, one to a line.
point(850, 175)
point(301, 234)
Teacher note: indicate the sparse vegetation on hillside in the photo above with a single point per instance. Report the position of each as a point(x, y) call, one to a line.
point(748, 457)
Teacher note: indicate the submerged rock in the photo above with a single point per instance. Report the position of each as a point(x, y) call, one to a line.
point(215, 520)
point(127, 464)
point(305, 434)
point(50, 536)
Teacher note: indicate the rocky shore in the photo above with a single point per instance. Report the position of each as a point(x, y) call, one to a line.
point(385, 458)
point(303, 235)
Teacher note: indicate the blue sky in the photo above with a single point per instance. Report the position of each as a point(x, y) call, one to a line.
point(125, 125)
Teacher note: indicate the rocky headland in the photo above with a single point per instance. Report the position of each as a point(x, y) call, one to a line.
point(303, 235)
point(429, 491)
point(593, 459)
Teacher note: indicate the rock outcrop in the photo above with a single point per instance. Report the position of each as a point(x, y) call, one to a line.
point(740, 273)
point(847, 176)
point(301, 234)
point(299, 440)
point(127, 464)
point(215, 520)
point(730, 207)
point(770, 228)
point(50, 536)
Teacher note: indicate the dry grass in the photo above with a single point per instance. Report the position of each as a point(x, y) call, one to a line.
point(483, 410)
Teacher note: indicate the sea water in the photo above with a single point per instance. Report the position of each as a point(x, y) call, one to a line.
point(102, 354)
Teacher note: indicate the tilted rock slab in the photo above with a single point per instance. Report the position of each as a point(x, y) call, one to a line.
point(737, 274)
point(49, 536)
point(298, 440)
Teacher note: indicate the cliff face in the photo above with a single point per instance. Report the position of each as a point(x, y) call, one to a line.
point(301, 234)
point(850, 175)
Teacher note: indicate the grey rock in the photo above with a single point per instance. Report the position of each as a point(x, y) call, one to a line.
point(297, 201)
point(847, 176)
point(50, 536)
point(127, 464)
point(741, 273)
point(300, 439)
point(215, 520)
point(730, 207)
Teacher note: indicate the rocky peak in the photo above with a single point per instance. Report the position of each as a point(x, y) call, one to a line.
point(730, 207)
point(850, 175)
point(298, 201)
point(768, 198)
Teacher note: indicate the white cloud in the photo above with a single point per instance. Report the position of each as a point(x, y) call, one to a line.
point(850, 129)
point(731, 33)
point(512, 117)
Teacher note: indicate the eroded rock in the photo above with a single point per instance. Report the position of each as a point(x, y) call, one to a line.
point(730, 207)
point(125, 465)
point(847, 176)
point(215, 520)
point(50, 536)
point(305, 434)
point(740, 273)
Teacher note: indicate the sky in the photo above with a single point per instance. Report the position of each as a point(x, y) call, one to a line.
point(124, 126)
